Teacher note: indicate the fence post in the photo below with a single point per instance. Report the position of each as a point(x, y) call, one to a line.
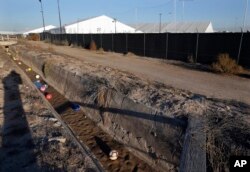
point(144, 45)
point(166, 45)
point(126, 43)
point(101, 39)
point(112, 42)
point(77, 39)
point(241, 39)
point(197, 46)
point(83, 40)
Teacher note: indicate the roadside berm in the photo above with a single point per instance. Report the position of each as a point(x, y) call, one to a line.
point(164, 126)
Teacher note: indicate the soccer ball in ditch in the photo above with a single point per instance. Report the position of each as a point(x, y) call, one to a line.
point(113, 155)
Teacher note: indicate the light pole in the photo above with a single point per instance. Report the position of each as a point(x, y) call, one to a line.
point(183, 8)
point(175, 14)
point(160, 23)
point(114, 21)
point(59, 13)
point(242, 31)
point(42, 15)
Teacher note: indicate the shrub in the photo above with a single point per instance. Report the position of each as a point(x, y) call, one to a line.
point(92, 45)
point(225, 64)
point(129, 54)
point(33, 37)
point(51, 49)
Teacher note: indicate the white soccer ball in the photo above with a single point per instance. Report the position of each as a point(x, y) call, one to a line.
point(113, 155)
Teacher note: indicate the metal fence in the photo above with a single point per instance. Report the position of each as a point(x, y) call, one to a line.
point(201, 47)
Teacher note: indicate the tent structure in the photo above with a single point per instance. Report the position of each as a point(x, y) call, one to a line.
point(178, 27)
point(100, 24)
point(39, 30)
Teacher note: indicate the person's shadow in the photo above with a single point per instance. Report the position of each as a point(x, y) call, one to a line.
point(17, 147)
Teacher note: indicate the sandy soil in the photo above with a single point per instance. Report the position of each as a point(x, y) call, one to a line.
point(200, 82)
point(31, 139)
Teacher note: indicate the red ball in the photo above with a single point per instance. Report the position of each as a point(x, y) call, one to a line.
point(48, 96)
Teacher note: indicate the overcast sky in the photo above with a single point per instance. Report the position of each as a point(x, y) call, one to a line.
point(21, 15)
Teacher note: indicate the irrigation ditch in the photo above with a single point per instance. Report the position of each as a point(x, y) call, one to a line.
point(84, 132)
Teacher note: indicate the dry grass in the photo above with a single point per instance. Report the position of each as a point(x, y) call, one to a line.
point(129, 54)
point(51, 49)
point(36, 47)
point(62, 43)
point(100, 51)
point(226, 136)
point(92, 46)
point(225, 64)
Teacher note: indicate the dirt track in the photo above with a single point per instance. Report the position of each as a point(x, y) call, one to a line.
point(200, 82)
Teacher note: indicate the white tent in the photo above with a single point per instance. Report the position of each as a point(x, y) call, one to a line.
point(40, 30)
point(100, 24)
point(178, 27)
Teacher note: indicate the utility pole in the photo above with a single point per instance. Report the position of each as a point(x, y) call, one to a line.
point(183, 8)
point(42, 15)
point(242, 32)
point(114, 21)
point(160, 23)
point(175, 14)
point(59, 13)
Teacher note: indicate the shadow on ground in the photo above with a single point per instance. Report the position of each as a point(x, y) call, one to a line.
point(17, 147)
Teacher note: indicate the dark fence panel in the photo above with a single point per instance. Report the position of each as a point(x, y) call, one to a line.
point(155, 45)
point(203, 47)
point(210, 45)
point(180, 46)
point(120, 43)
point(136, 44)
point(245, 51)
point(107, 42)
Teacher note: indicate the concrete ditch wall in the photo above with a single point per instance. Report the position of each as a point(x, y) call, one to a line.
point(150, 134)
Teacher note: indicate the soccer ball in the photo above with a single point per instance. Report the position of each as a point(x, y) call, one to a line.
point(43, 88)
point(48, 96)
point(113, 155)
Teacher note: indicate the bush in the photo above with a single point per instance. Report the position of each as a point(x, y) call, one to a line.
point(92, 46)
point(33, 37)
point(225, 64)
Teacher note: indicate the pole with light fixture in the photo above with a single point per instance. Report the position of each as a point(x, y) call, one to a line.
point(42, 15)
point(242, 32)
point(59, 14)
point(160, 23)
point(114, 21)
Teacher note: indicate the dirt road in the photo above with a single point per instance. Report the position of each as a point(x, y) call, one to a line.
point(200, 82)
